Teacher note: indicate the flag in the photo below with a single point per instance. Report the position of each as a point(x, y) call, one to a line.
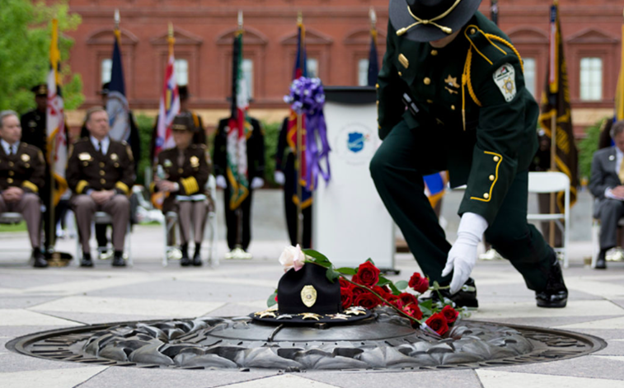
point(55, 120)
point(373, 61)
point(556, 102)
point(239, 128)
point(117, 104)
point(494, 11)
point(435, 186)
point(619, 92)
point(169, 105)
point(300, 70)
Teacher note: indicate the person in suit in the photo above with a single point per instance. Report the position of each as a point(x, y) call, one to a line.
point(182, 173)
point(100, 174)
point(468, 112)
point(22, 173)
point(239, 228)
point(607, 186)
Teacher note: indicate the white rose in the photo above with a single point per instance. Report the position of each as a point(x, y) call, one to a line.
point(292, 257)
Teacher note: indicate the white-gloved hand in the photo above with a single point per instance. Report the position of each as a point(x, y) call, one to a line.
point(279, 178)
point(463, 255)
point(257, 183)
point(220, 181)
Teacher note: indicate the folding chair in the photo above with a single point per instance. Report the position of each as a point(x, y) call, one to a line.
point(106, 219)
point(553, 182)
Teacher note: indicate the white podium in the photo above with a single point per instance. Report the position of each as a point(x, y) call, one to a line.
point(349, 221)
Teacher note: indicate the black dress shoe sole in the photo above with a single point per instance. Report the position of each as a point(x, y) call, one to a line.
point(197, 263)
point(86, 265)
point(552, 305)
point(602, 265)
point(40, 265)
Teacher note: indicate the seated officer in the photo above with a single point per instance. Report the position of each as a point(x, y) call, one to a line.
point(100, 173)
point(182, 172)
point(22, 171)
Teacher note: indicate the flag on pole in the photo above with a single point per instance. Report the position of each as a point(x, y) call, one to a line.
point(117, 104)
point(169, 103)
point(556, 102)
point(300, 70)
point(55, 120)
point(239, 127)
point(619, 92)
point(435, 186)
point(373, 61)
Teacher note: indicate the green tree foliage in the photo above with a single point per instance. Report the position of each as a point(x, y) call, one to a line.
point(587, 147)
point(25, 50)
point(146, 125)
point(271, 136)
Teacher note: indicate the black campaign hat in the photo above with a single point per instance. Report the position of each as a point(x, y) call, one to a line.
point(183, 121)
point(40, 90)
point(308, 297)
point(183, 92)
point(105, 88)
point(427, 20)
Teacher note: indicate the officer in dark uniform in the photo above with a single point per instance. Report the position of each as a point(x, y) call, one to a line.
point(468, 112)
point(239, 236)
point(185, 170)
point(35, 132)
point(135, 145)
point(286, 175)
point(100, 173)
point(22, 171)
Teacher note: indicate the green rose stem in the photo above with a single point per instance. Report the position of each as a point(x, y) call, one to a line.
point(388, 303)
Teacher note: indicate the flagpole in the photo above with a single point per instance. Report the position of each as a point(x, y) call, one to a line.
point(239, 210)
point(553, 132)
point(299, 152)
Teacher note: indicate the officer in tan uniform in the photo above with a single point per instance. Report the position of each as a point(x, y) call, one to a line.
point(22, 172)
point(100, 173)
point(182, 172)
point(468, 112)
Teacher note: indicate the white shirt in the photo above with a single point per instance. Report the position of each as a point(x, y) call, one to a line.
point(7, 147)
point(105, 143)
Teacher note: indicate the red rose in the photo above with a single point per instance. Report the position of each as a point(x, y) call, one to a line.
point(438, 323)
point(419, 283)
point(367, 300)
point(345, 285)
point(408, 299)
point(357, 291)
point(392, 299)
point(367, 274)
point(381, 291)
point(413, 311)
point(347, 297)
point(450, 314)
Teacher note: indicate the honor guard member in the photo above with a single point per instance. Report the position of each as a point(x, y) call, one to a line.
point(182, 172)
point(135, 145)
point(35, 132)
point(22, 171)
point(239, 236)
point(100, 173)
point(468, 112)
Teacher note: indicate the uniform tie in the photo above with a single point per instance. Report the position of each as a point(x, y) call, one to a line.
point(621, 171)
point(100, 148)
point(10, 150)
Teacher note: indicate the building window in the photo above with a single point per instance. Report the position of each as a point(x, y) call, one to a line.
point(363, 72)
point(591, 79)
point(248, 71)
point(181, 71)
point(313, 69)
point(107, 68)
point(529, 75)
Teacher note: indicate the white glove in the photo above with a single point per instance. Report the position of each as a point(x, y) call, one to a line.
point(279, 178)
point(220, 181)
point(463, 255)
point(257, 183)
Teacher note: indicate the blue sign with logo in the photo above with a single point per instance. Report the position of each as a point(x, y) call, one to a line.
point(356, 142)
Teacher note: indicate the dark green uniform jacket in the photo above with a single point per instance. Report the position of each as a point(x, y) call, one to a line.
point(191, 176)
point(473, 91)
point(25, 169)
point(88, 169)
point(255, 150)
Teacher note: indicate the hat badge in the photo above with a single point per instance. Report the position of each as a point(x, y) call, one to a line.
point(308, 295)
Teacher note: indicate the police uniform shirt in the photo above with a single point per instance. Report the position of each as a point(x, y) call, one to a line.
point(21, 165)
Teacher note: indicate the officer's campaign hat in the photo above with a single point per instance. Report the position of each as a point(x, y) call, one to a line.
point(40, 90)
point(183, 122)
point(105, 89)
point(428, 20)
point(183, 92)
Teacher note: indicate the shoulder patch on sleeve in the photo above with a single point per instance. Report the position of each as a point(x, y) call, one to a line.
point(505, 78)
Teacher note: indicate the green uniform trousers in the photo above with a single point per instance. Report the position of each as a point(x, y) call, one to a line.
point(397, 169)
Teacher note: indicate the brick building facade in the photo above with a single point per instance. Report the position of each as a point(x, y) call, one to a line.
point(337, 43)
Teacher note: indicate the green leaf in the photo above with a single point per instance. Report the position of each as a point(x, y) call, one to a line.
point(401, 284)
point(317, 256)
point(370, 261)
point(347, 270)
point(383, 281)
point(322, 264)
point(271, 301)
point(331, 274)
point(395, 291)
point(436, 286)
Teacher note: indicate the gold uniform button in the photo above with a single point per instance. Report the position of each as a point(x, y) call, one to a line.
point(377, 86)
point(472, 30)
point(452, 107)
point(496, 158)
point(486, 195)
point(10, 164)
point(400, 74)
point(377, 103)
point(102, 164)
point(492, 177)
point(11, 173)
point(9, 180)
point(427, 80)
point(102, 181)
point(430, 101)
point(434, 52)
point(102, 173)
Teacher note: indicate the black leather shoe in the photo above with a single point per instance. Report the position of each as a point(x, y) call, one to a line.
point(197, 261)
point(601, 261)
point(556, 294)
point(39, 259)
point(86, 260)
point(185, 261)
point(118, 260)
point(466, 297)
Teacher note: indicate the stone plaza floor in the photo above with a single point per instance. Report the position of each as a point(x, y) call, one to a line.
point(33, 300)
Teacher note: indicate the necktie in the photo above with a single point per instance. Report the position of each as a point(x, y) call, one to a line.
point(621, 171)
point(10, 150)
point(100, 148)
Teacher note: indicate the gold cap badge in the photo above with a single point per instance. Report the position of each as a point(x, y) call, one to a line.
point(308, 296)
